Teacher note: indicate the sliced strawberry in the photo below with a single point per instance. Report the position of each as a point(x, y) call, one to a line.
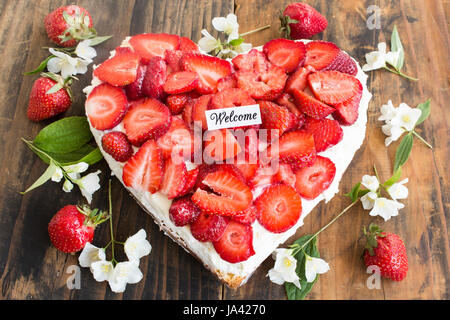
point(144, 170)
point(247, 216)
point(233, 97)
point(204, 170)
point(287, 101)
point(187, 112)
point(119, 70)
point(247, 170)
point(209, 69)
point(333, 87)
point(120, 50)
point(276, 117)
point(174, 178)
point(230, 168)
point(266, 86)
point(343, 63)
point(315, 179)
point(236, 243)
point(149, 45)
point(227, 83)
point(134, 90)
point(181, 82)
point(347, 112)
point(298, 80)
point(183, 211)
point(311, 106)
point(234, 195)
point(285, 175)
point(263, 177)
point(191, 178)
point(295, 148)
point(187, 45)
point(173, 60)
point(276, 78)
point(198, 117)
point(116, 144)
point(326, 132)
point(177, 102)
point(279, 208)
point(285, 53)
point(106, 106)
point(178, 141)
point(254, 60)
point(154, 79)
point(320, 54)
point(208, 227)
point(146, 119)
point(220, 145)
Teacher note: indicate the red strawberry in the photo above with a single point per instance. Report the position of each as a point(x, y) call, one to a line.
point(43, 105)
point(343, 63)
point(119, 70)
point(387, 251)
point(320, 54)
point(275, 117)
point(227, 83)
point(181, 82)
point(204, 170)
point(254, 60)
point(187, 45)
point(183, 211)
point(68, 32)
point(285, 175)
point(221, 145)
point(310, 22)
point(146, 119)
point(106, 106)
point(295, 148)
point(234, 195)
point(174, 178)
point(288, 101)
point(187, 112)
point(286, 54)
point(333, 87)
point(263, 177)
point(144, 170)
point(209, 69)
point(247, 216)
point(265, 86)
point(347, 112)
point(199, 107)
point(275, 78)
point(116, 144)
point(177, 141)
point(154, 79)
point(311, 106)
point(191, 179)
point(279, 208)
point(120, 50)
point(326, 132)
point(298, 80)
point(177, 102)
point(149, 45)
point(236, 243)
point(173, 59)
point(232, 97)
point(134, 90)
point(313, 180)
point(208, 227)
point(72, 227)
point(248, 170)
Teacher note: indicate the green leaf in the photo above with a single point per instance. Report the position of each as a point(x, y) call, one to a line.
point(353, 194)
point(395, 177)
point(236, 42)
point(97, 40)
point(63, 136)
point(55, 88)
point(426, 110)
point(294, 293)
point(86, 153)
point(396, 45)
point(41, 67)
point(47, 175)
point(403, 151)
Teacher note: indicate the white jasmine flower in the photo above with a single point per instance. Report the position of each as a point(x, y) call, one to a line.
point(137, 246)
point(208, 43)
point(76, 168)
point(102, 270)
point(370, 182)
point(376, 59)
point(392, 58)
point(123, 273)
point(67, 65)
point(67, 186)
point(406, 117)
point(315, 266)
point(368, 200)
point(82, 66)
point(57, 175)
point(89, 184)
point(243, 47)
point(284, 268)
point(386, 208)
point(393, 132)
point(388, 111)
point(85, 51)
point(398, 190)
point(91, 254)
point(228, 25)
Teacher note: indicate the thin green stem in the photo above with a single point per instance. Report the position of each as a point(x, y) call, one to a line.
point(111, 225)
point(256, 30)
point(398, 72)
point(422, 139)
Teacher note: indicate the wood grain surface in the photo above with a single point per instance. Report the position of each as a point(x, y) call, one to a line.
point(30, 268)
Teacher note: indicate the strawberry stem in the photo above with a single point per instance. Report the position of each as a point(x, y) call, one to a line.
point(254, 31)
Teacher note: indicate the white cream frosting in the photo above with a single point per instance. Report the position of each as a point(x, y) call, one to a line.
point(264, 242)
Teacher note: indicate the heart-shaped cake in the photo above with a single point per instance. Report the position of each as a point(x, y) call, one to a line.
point(229, 196)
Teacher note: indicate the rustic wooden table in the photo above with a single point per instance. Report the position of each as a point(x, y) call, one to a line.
point(30, 268)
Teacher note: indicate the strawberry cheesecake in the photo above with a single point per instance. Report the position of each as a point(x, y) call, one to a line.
point(230, 209)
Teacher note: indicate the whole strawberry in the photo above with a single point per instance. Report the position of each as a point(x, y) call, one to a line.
point(72, 227)
point(301, 21)
point(117, 145)
point(387, 251)
point(49, 96)
point(67, 25)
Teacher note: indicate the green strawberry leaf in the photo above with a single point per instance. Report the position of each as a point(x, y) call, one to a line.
point(47, 175)
point(426, 110)
point(403, 151)
point(97, 40)
point(86, 153)
point(40, 68)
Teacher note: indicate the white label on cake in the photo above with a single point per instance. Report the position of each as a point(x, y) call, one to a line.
point(233, 117)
